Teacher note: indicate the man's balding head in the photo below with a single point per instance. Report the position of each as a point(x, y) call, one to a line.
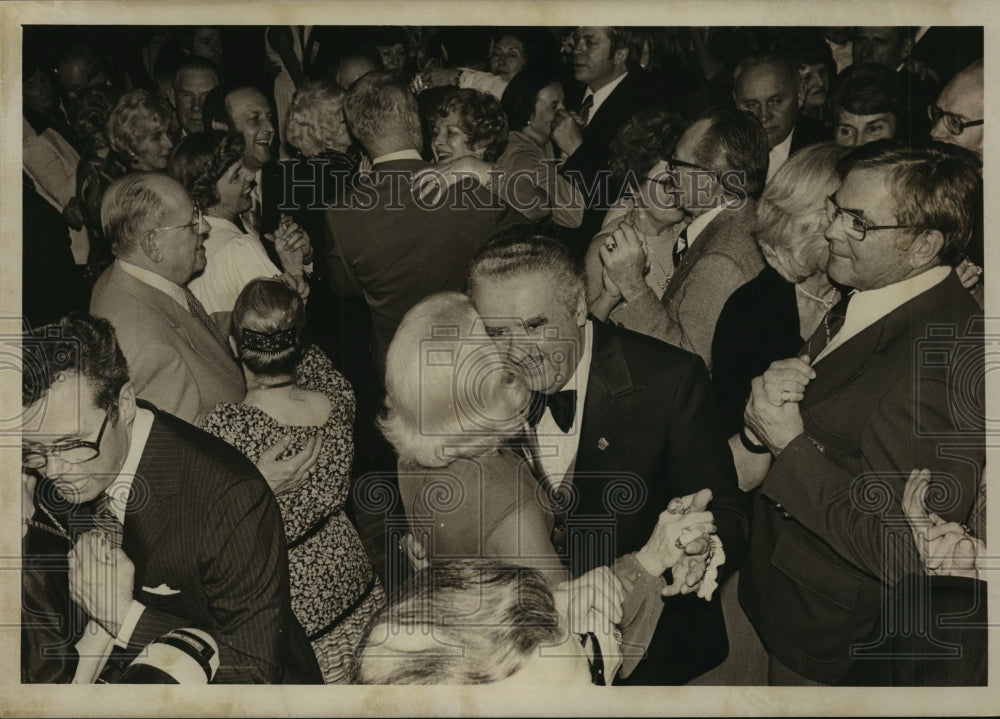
point(963, 97)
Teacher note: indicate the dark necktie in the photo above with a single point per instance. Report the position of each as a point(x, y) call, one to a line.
point(828, 328)
point(198, 310)
point(105, 520)
point(585, 107)
point(680, 247)
point(562, 404)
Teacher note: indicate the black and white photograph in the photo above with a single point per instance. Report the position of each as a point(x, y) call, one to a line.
point(501, 360)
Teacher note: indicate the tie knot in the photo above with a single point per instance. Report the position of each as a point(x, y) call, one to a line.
point(561, 404)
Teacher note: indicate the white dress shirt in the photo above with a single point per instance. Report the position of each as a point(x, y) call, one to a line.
point(778, 154)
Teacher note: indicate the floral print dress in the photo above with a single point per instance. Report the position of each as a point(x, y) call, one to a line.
point(335, 592)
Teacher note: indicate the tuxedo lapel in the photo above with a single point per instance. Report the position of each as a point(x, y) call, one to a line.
point(609, 380)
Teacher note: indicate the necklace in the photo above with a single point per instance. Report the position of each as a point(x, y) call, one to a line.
point(827, 304)
point(276, 385)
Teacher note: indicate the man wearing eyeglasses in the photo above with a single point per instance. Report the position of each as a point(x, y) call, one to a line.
point(957, 117)
point(165, 526)
point(889, 383)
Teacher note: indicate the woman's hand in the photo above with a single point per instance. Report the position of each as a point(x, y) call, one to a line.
point(969, 273)
point(946, 548)
point(624, 257)
point(432, 184)
point(297, 283)
point(682, 530)
point(439, 77)
point(596, 591)
point(292, 244)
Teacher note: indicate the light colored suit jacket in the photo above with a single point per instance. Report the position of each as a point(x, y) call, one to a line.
point(173, 360)
point(723, 258)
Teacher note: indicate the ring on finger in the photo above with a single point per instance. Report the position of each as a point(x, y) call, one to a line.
point(679, 544)
point(676, 506)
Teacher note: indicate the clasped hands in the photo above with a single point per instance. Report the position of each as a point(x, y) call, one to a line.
point(623, 254)
point(772, 412)
point(101, 580)
point(681, 542)
point(946, 548)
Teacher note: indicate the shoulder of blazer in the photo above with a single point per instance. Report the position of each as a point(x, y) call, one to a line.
point(621, 356)
point(118, 282)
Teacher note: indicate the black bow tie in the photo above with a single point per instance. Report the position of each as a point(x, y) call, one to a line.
point(562, 404)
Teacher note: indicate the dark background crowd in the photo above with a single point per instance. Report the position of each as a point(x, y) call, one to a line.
point(264, 140)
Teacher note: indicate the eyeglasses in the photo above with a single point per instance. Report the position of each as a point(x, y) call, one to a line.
point(673, 163)
point(78, 452)
point(952, 122)
point(197, 223)
point(853, 223)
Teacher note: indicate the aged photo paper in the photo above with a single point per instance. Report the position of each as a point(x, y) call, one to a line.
point(76, 700)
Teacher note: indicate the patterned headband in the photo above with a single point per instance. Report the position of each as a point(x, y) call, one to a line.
point(269, 342)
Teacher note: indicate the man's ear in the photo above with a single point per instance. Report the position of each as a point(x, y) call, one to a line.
point(126, 403)
point(150, 247)
point(621, 56)
point(926, 247)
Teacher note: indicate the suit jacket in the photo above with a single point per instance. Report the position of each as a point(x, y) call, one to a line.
point(829, 536)
point(175, 363)
point(651, 432)
point(588, 167)
point(203, 527)
point(388, 248)
point(722, 259)
point(808, 131)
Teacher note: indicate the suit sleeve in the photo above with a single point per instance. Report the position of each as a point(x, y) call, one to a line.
point(342, 278)
point(860, 516)
point(244, 571)
point(699, 457)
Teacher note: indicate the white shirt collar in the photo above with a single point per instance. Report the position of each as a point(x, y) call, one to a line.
point(119, 489)
point(602, 93)
point(868, 307)
point(700, 223)
point(778, 154)
point(155, 281)
point(408, 154)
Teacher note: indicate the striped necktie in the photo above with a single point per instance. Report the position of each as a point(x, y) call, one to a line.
point(585, 107)
point(832, 322)
point(104, 519)
point(198, 310)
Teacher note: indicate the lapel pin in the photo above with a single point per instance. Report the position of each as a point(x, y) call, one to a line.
point(602, 444)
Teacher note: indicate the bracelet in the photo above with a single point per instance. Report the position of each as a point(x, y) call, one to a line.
point(750, 445)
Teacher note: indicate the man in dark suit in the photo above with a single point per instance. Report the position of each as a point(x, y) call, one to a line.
point(383, 242)
point(169, 527)
point(717, 173)
point(641, 427)
point(606, 64)
point(770, 89)
point(898, 387)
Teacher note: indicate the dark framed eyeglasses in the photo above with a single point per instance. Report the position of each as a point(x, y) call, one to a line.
point(76, 452)
point(196, 223)
point(952, 122)
point(673, 163)
point(854, 224)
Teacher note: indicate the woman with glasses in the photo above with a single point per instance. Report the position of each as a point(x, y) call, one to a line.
point(772, 316)
point(210, 166)
point(293, 395)
point(641, 158)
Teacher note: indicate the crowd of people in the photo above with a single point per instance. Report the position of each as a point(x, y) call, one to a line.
point(609, 355)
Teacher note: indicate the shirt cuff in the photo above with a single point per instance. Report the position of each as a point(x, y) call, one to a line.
point(135, 611)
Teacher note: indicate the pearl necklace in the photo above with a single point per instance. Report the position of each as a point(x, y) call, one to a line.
point(827, 304)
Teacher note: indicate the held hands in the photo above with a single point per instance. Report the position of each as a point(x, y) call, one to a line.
point(101, 580)
point(596, 592)
point(292, 244)
point(946, 548)
point(287, 475)
point(969, 273)
point(566, 132)
point(624, 256)
point(772, 412)
point(297, 283)
point(681, 531)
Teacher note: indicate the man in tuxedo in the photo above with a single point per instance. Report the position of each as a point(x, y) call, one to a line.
point(717, 174)
point(770, 89)
point(383, 242)
point(166, 526)
point(638, 426)
point(177, 355)
point(606, 64)
point(893, 384)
